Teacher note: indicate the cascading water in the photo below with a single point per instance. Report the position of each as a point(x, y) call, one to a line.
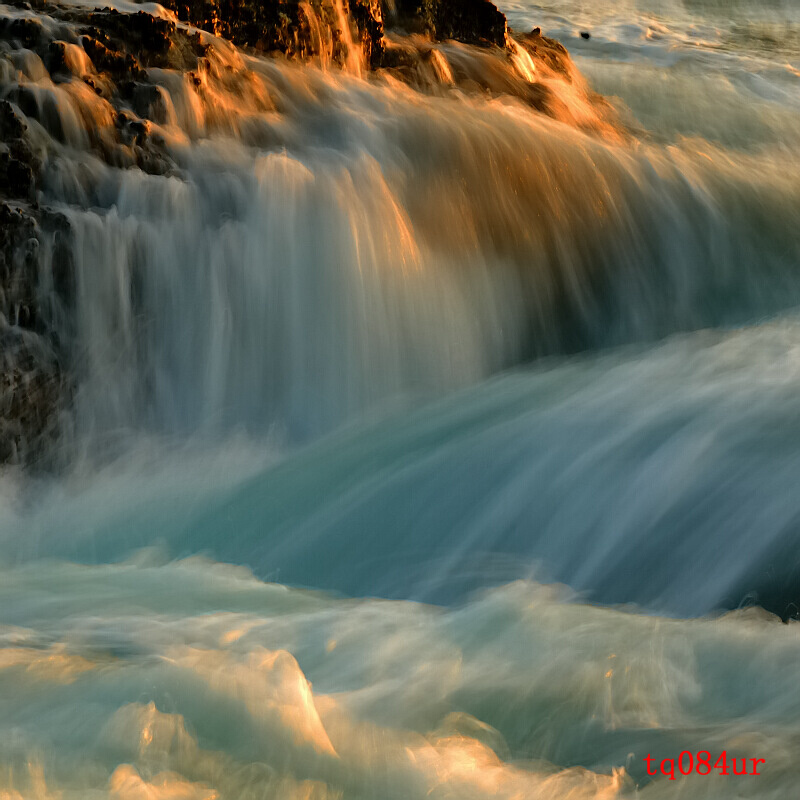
point(430, 334)
point(455, 238)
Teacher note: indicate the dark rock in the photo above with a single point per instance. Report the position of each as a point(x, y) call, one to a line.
point(16, 177)
point(57, 62)
point(470, 21)
point(25, 99)
point(33, 383)
point(120, 65)
point(18, 266)
point(18, 166)
point(27, 31)
point(32, 388)
point(11, 126)
point(285, 26)
point(586, 35)
point(149, 102)
point(368, 18)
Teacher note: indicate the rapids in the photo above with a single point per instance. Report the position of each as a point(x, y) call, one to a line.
point(377, 380)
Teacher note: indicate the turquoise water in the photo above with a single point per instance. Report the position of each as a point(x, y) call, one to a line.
point(425, 446)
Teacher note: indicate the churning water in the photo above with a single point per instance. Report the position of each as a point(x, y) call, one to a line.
point(370, 367)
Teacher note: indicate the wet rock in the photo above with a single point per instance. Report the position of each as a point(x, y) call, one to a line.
point(32, 387)
point(25, 99)
point(120, 65)
point(150, 159)
point(66, 60)
point(18, 165)
point(25, 31)
point(16, 177)
point(368, 17)
point(149, 102)
point(470, 21)
point(143, 33)
point(150, 41)
point(287, 26)
point(11, 126)
point(57, 63)
point(550, 51)
point(132, 130)
point(18, 251)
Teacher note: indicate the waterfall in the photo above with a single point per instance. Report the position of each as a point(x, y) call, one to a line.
point(394, 404)
point(312, 247)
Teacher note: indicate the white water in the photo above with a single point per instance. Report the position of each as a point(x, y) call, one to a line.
point(294, 357)
point(720, 70)
point(451, 238)
point(185, 687)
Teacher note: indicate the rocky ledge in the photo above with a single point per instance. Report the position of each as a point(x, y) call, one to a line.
point(291, 27)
